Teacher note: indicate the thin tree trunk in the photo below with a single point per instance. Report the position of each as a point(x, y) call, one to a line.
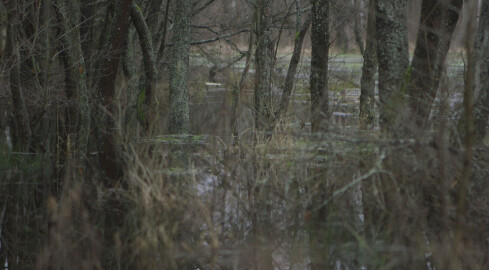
point(366, 120)
point(469, 142)
point(264, 65)
point(437, 24)
point(70, 13)
point(161, 50)
point(393, 60)
point(179, 107)
point(357, 25)
point(238, 90)
point(152, 17)
point(481, 111)
point(129, 68)
point(45, 24)
point(292, 71)
point(319, 64)
point(23, 129)
point(89, 34)
point(369, 68)
point(149, 61)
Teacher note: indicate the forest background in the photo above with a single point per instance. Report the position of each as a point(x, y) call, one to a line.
point(244, 134)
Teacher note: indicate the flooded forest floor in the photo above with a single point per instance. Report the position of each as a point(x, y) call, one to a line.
point(342, 199)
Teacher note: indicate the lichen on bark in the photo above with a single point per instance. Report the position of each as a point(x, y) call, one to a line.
point(264, 61)
point(393, 61)
point(179, 107)
point(319, 64)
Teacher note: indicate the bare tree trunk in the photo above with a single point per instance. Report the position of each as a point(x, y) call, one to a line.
point(238, 90)
point(75, 62)
point(357, 25)
point(264, 61)
point(149, 60)
point(264, 65)
point(45, 41)
point(393, 60)
point(319, 64)
point(112, 46)
point(481, 111)
point(152, 17)
point(369, 68)
point(161, 50)
point(89, 34)
point(3, 37)
point(292, 71)
point(469, 142)
point(23, 129)
point(179, 110)
point(320, 39)
point(437, 24)
point(129, 68)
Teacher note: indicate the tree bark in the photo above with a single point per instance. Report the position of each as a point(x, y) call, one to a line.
point(357, 25)
point(112, 46)
point(75, 62)
point(152, 17)
point(89, 34)
point(319, 64)
point(161, 50)
point(238, 90)
point(23, 129)
point(393, 60)
point(481, 110)
point(437, 24)
point(149, 61)
point(369, 68)
point(129, 68)
point(264, 65)
point(179, 107)
point(292, 70)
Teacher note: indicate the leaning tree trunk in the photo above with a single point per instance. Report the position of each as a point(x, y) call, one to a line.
point(437, 24)
point(301, 31)
point(393, 60)
point(481, 110)
point(179, 107)
point(292, 70)
point(319, 64)
point(264, 60)
point(145, 104)
point(369, 68)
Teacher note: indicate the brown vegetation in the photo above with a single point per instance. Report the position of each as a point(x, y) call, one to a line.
point(223, 134)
